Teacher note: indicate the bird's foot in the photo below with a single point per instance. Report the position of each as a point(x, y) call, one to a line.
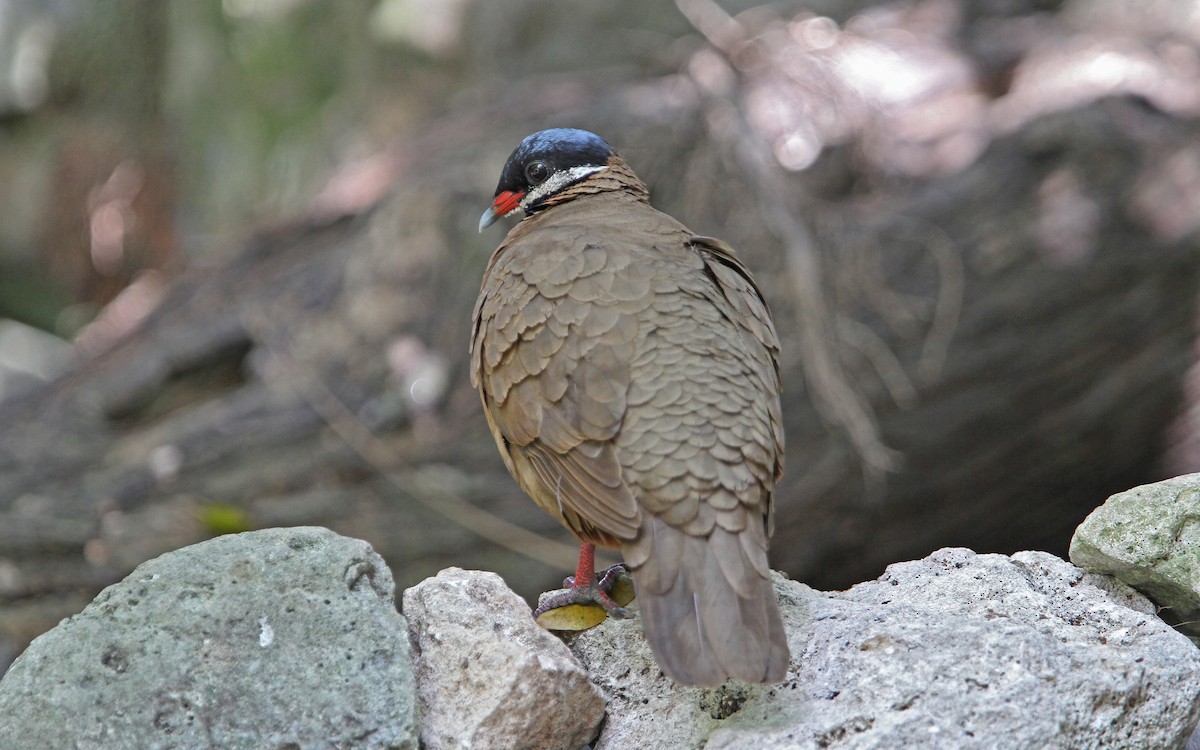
point(606, 580)
point(587, 599)
point(597, 592)
point(580, 606)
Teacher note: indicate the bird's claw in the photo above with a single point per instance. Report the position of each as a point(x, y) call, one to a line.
point(598, 592)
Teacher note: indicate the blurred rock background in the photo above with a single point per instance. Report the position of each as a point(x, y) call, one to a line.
point(238, 258)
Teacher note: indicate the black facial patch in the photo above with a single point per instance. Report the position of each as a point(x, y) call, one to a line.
point(559, 148)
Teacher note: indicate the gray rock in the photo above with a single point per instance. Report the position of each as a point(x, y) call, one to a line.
point(284, 638)
point(954, 651)
point(487, 675)
point(1149, 537)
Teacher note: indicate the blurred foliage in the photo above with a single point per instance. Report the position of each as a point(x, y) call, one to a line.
point(219, 518)
point(30, 295)
point(256, 103)
point(231, 112)
point(226, 114)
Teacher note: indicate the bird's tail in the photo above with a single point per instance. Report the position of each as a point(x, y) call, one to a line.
point(707, 605)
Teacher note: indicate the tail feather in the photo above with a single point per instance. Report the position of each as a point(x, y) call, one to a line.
point(709, 616)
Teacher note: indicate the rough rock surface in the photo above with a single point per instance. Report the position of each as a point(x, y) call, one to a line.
point(954, 651)
point(1149, 537)
point(487, 675)
point(283, 638)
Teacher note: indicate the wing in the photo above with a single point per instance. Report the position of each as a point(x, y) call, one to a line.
point(739, 289)
point(554, 335)
point(703, 446)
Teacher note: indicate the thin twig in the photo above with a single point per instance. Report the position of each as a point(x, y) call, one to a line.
point(948, 307)
point(882, 358)
point(714, 24)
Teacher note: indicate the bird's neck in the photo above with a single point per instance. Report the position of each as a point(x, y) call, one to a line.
point(616, 177)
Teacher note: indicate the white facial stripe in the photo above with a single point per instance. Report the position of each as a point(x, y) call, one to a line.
point(557, 181)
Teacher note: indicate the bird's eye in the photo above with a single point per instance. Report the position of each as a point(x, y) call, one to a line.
point(536, 172)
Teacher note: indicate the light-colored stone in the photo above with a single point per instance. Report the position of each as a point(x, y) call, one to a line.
point(283, 638)
point(1149, 537)
point(487, 675)
point(954, 651)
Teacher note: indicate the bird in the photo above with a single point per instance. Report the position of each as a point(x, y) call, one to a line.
point(629, 374)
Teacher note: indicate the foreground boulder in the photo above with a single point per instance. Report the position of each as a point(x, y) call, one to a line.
point(488, 675)
point(289, 638)
point(271, 639)
point(958, 650)
point(1149, 537)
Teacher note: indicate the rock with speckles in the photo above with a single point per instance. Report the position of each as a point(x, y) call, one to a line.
point(487, 675)
point(958, 650)
point(1149, 537)
point(289, 638)
point(283, 638)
